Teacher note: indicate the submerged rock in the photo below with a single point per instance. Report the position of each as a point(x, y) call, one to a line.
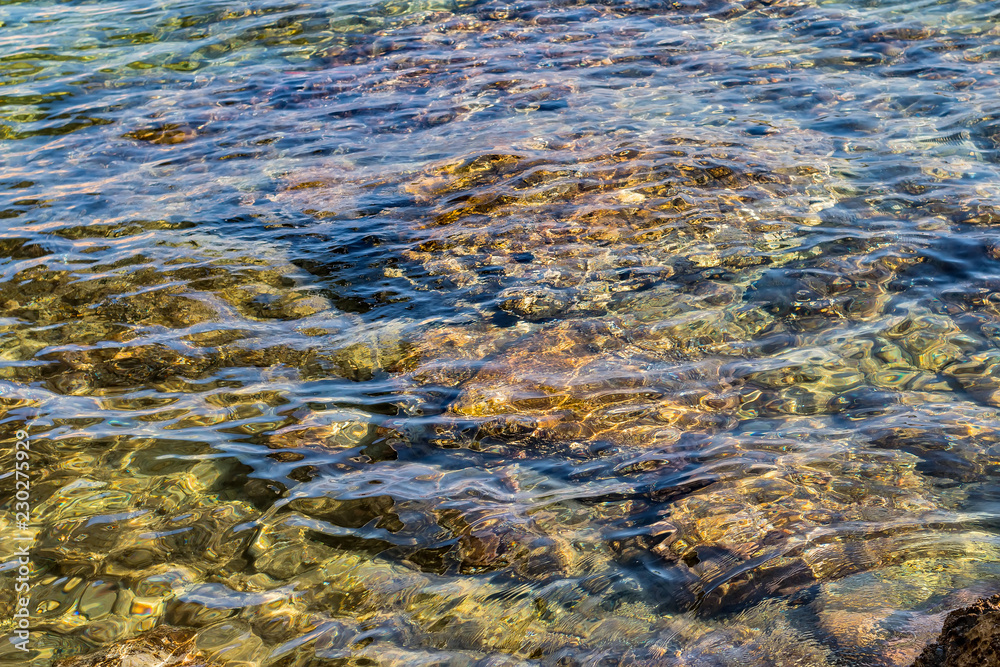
point(163, 647)
point(585, 381)
point(816, 519)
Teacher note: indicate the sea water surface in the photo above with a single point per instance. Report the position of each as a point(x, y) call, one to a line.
point(481, 333)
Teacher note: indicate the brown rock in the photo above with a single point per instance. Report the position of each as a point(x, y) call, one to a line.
point(970, 638)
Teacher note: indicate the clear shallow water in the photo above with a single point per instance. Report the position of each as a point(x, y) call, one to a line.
point(499, 334)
